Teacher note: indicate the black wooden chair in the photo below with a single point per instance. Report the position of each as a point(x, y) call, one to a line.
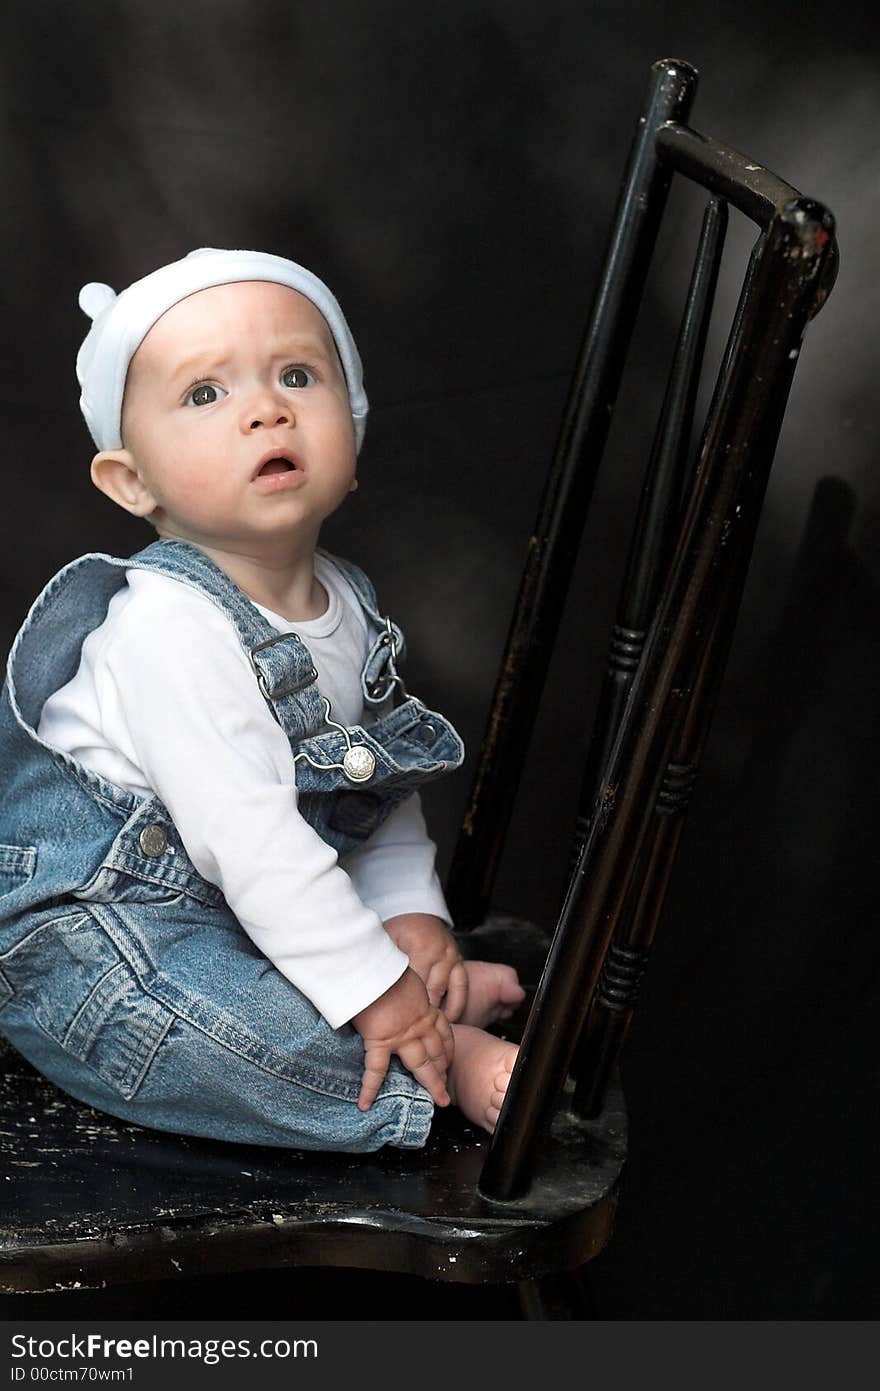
point(87, 1201)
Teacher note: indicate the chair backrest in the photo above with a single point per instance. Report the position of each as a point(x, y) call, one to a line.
point(684, 581)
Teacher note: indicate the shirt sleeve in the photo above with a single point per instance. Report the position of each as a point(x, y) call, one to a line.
point(181, 702)
point(394, 871)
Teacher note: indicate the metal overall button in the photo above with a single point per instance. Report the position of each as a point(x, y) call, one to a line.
point(426, 733)
point(358, 762)
point(153, 840)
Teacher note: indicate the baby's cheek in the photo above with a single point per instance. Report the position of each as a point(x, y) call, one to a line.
point(195, 486)
point(196, 489)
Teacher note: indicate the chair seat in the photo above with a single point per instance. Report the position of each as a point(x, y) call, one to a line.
point(87, 1200)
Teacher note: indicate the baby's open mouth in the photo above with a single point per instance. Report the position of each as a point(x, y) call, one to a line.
point(281, 462)
point(276, 466)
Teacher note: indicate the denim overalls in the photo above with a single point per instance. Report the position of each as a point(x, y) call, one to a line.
point(124, 976)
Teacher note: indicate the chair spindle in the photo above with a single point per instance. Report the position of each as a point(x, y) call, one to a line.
point(700, 598)
point(658, 518)
point(553, 547)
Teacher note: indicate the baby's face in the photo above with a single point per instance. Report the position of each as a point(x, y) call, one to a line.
point(236, 417)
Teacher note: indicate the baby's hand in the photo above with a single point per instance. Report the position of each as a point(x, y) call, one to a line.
point(403, 1021)
point(434, 957)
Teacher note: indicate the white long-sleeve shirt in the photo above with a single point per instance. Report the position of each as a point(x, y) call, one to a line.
point(165, 701)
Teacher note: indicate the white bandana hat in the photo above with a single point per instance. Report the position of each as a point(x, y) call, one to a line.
point(121, 322)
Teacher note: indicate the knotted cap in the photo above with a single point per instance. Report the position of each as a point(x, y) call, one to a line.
point(121, 322)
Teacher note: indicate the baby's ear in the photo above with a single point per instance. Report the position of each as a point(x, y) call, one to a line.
point(114, 471)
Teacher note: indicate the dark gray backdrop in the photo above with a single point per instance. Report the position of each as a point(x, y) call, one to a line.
point(451, 171)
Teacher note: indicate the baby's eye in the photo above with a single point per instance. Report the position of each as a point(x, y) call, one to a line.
point(297, 376)
point(205, 394)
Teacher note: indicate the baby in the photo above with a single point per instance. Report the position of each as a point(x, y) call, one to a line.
point(219, 912)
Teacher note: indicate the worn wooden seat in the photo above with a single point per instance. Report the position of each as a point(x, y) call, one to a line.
point(89, 1200)
point(86, 1200)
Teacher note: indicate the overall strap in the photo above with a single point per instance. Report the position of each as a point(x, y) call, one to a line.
point(281, 662)
point(388, 645)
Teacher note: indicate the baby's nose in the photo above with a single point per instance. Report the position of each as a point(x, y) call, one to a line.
point(264, 410)
point(266, 419)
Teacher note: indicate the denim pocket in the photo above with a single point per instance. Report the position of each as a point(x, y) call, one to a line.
point(71, 978)
point(355, 814)
point(17, 865)
point(117, 886)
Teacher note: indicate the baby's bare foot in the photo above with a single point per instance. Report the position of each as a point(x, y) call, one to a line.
point(477, 1080)
point(494, 992)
